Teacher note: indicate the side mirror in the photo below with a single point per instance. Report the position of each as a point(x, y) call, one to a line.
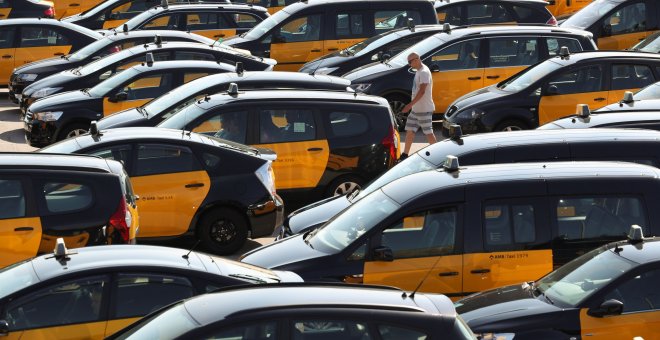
point(4, 328)
point(278, 38)
point(552, 89)
point(383, 254)
point(607, 30)
point(609, 307)
point(119, 97)
point(435, 68)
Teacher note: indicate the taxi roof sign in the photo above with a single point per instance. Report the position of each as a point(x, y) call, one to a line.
point(564, 52)
point(582, 110)
point(451, 163)
point(635, 235)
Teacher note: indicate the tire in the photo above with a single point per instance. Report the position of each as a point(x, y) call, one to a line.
point(344, 185)
point(223, 231)
point(73, 130)
point(511, 125)
point(397, 102)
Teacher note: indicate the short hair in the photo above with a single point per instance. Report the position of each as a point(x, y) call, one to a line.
point(413, 54)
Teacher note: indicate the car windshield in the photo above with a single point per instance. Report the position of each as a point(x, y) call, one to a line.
point(180, 116)
point(650, 92)
point(68, 145)
point(590, 14)
point(92, 48)
point(366, 46)
point(529, 76)
point(103, 62)
point(575, 281)
point(168, 100)
point(16, 277)
point(650, 44)
point(134, 22)
point(422, 48)
point(350, 224)
point(411, 165)
point(265, 26)
point(168, 324)
point(103, 88)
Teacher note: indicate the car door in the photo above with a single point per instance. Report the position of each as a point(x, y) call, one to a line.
point(127, 10)
point(296, 41)
point(65, 8)
point(577, 85)
point(216, 26)
point(168, 21)
point(40, 42)
point(457, 69)
point(61, 310)
point(625, 26)
point(349, 28)
point(139, 90)
point(20, 229)
point(7, 53)
point(5, 9)
point(628, 77)
point(508, 56)
point(424, 246)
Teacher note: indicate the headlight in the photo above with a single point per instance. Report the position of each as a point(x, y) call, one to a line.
point(496, 336)
point(360, 87)
point(471, 113)
point(27, 77)
point(325, 70)
point(46, 91)
point(267, 176)
point(49, 116)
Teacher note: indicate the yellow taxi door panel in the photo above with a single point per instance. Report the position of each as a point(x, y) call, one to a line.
point(7, 58)
point(625, 326)
point(449, 85)
point(108, 24)
point(4, 13)
point(615, 96)
point(299, 164)
point(112, 107)
point(92, 330)
point(273, 10)
point(621, 41)
point(496, 75)
point(26, 55)
point(217, 34)
point(113, 326)
point(291, 56)
point(562, 7)
point(491, 270)
point(21, 238)
point(336, 45)
point(553, 107)
point(65, 8)
point(168, 202)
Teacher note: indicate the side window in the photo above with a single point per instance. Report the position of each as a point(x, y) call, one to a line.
point(141, 294)
point(555, 44)
point(286, 125)
point(150, 86)
point(389, 332)
point(524, 14)
point(450, 15)
point(387, 20)
point(131, 9)
point(120, 153)
point(629, 19)
point(307, 28)
point(190, 76)
point(427, 233)
point(153, 159)
point(346, 124)
point(190, 55)
point(639, 294)
point(631, 76)
point(487, 14)
point(67, 197)
point(508, 224)
point(76, 301)
point(7, 37)
point(459, 56)
point(259, 330)
point(205, 21)
point(165, 22)
point(598, 217)
point(349, 25)
point(42, 36)
point(513, 51)
point(246, 20)
point(226, 125)
point(580, 80)
point(401, 44)
point(329, 329)
point(12, 199)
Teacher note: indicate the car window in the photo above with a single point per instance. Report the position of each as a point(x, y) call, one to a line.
point(244, 20)
point(450, 15)
point(126, 64)
point(12, 199)
point(141, 294)
point(121, 153)
point(348, 25)
point(580, 80)
point(286, 125)
point(147, 87)
point(67, 197)
point(513, 51)
point(555, 44)
point(508, 224)
point(131, 9)
point(153, 159)
point(391, 19)
point(76, 301)
point(426, 233)
point(638, 294)
point(345, 124)
point(205, 21)
point(487, 13)
point(329, 329)
point(163, 22)
point(7, 37)
point(628, 19)
point(390, 332)
point(42, 36)
point(631, 76)
point(524, 13)
point(255, 330)
point(191, 55)
point(599, 217)
point(230, 125)
point(461, 56)
point(401, 44)
point(307, 28)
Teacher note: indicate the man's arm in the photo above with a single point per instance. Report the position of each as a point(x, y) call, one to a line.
point(418, 97)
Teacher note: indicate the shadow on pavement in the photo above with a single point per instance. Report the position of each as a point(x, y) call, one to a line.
point(13, 136)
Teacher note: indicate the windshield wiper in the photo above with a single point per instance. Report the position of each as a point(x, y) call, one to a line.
point(76, 71)
point(538, 291)
point(142, 111)
point(249, 277)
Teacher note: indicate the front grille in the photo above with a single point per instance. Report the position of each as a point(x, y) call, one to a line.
point(28, 116)
point(452, 109)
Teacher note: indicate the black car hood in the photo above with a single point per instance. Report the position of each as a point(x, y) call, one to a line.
point(370, 71)
point(637, 105)
point(316, 213)
point(37, 66)
point(56, 80)
point(328, 60)
point(280, 253)
point(127, 118)
point(64, 100)
point(479, 97)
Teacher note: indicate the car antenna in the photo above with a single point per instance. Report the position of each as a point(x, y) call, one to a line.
point(191, 249)
point(419, 285)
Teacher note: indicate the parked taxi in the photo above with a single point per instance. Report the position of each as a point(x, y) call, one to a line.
point(65, 8)
point(634, 119)
point(646, 99)
point(11, 9)
point(566, 8)
point(479, 12)
point(110, 13)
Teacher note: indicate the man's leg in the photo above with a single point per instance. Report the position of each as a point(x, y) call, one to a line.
point(426, 123)
point(410, 137)
point(412, 125)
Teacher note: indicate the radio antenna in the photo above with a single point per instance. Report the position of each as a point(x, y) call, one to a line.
point(412, 295)
point(191, 249)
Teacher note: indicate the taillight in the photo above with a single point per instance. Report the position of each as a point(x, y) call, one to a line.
point(50, 12)
point(552, 21)
point(267, 176)
point(121, 220)
point(390, 143)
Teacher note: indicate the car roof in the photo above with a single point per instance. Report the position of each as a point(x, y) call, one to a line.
point(52, 22)
point(597, 119)
point(642, 253)
point(169, 45)
point(30, 160)
point(257, 76)
point(300, 5)
point(411, 186)
point(637, 105)
point(480, 30)
point(217, 306)
point(229, 6)
point(449, 2)
point(223, 98)
point(182, 64)
point(575, 58)
point(119, 35)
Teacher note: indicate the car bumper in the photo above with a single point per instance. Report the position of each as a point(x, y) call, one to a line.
point(38, 133)
point(265, 216)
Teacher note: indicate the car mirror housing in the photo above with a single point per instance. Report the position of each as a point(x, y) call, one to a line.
point(552, 89)
point(607, 308)
point(383, 254)
point(4, 328)
point(119, 96)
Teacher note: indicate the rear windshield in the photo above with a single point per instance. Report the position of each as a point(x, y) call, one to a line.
point(590, 14)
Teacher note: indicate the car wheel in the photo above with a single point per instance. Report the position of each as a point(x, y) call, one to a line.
point(397, 102)
point(223, 231)
point(511, 125)
point(73, 130)
point(344, 185)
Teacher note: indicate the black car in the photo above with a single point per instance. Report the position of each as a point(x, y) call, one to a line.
point(97, 291)
point(377, 48)
point(27, 74)
point(626, 119)
point(88, 75)
point(480, 12)
point(155, 111)
point(11, 9)
point(67, 114)
point(509, 147)
point(305, 311)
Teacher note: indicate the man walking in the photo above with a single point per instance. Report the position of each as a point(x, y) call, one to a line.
point(421, 104)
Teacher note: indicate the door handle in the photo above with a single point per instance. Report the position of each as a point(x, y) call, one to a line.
point(194, 185)
point(333, 49)
point(315, 50)
point(58, 53)
point(23, 229)
point(2, 15)
point(6, 56)
point(315, 149)
point(74, 5)
point(448, 274)
point(599, 99)
point(480, 271)
point(492, 77)
point(474, 78)
point(221, 35)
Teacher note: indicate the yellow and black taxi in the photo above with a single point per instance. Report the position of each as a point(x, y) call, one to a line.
point(465, 59)
point(89, 75)
point(159, 109)
point(649, 44)
point(461, 230)
point(521, 146)
point(25, 75)
point(215, 21)
point(377, 48)
point(273, 6)
point(552, 89)
point(189, 184)
point(85, 200)
point(309, 29)
point(23, 41)
point(617, 24)
point(11, 9)
point(65, 8)
point(91, 293)
point(326, 142)
point(305, 311)
point(69, 114)
point(649, 119)
point(110, 13)
point(480, 12)
point(608, 293)
point(566, 8)
point(646, 99)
